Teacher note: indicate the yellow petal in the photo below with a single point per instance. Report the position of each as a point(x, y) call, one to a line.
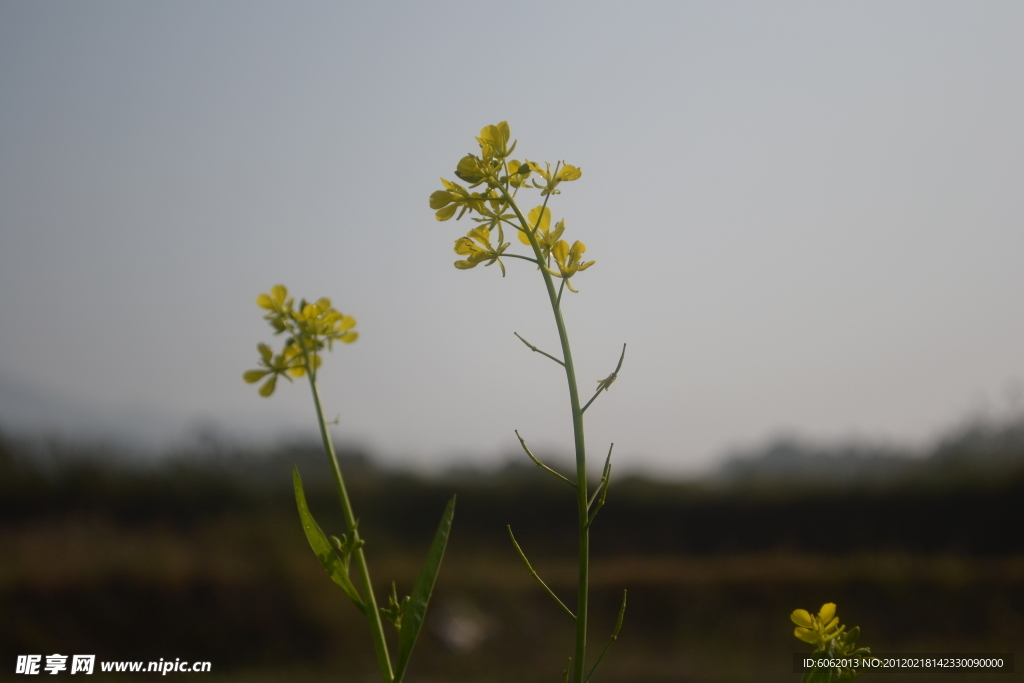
point(464, 246)
point(523, 237)
point(481, 235)
point(827, 611)
point(447, 212)
point(464, 265)
point(569, 172)
point(544, 218)
point(265, 352)
point(440, 199)
point(577, 251)
point(349, 337)
point(268, 387)
point(801, 617)
point(279, 292)
point(806, 635)
point(264, 301)
point(559, 229)
point(469, 170)
point(560, 251)
point(253, 376)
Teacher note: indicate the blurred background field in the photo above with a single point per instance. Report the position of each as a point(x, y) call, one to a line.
point(200, 556)
point(805, 216)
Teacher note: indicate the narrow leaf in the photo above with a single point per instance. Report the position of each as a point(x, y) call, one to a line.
point(416, 608)
point(333, 565)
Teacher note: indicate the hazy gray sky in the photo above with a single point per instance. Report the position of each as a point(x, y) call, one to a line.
point(807, 217)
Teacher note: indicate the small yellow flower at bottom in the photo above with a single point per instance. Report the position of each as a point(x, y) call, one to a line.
point(819, 628)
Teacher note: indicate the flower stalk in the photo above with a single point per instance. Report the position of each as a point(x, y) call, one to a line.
point(496, 207)
point(312, 328)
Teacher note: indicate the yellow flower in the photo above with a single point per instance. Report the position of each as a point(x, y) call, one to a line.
point(319, 322)
point(817, 629)
point(288, 362)
point(494, 141)
point(447, 201)
point(312, 326)
point(569, 260)
point(563, 172)
point(277, 301)
point(539, 220)
point(476, 247)
point(517, 173)
point(472, 169)
point(279, 304)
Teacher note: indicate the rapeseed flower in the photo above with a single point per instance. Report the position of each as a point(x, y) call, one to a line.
point(569, 260)
point(817, 629)
point(494, 141)
point(563, 172)
point(476, 247)
point(539, 220)
point(311, 327)
point(449, 200)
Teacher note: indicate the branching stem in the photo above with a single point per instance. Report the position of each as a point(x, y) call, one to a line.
point(608, 381)
point(538, 463)
point(536, 350)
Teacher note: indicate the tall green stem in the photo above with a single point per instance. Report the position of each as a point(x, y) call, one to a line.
point(581, 452)
point(372, 613)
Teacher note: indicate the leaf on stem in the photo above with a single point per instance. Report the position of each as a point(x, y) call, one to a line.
point(415, 610)
point(333, 564)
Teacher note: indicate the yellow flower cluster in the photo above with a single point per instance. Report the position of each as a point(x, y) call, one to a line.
point(495, 207)
point(311, 327)
point(817, 629)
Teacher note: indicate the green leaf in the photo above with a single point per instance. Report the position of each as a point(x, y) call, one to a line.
point(333, 565)
point(416, 609)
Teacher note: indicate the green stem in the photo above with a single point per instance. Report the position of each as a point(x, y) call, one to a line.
point(372, 613)
point(581, 453)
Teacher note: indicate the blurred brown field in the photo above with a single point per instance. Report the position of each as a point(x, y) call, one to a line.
point(196, 561)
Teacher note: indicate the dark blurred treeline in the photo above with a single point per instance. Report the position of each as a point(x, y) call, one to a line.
point(962, 497)
point(200, 555)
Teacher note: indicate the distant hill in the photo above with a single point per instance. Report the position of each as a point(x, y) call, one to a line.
point(33, 412)
point(979, 452)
